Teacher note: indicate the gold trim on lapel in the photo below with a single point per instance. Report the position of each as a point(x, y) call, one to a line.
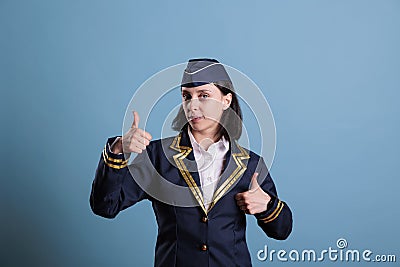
point(184, 151)
point(240, 169)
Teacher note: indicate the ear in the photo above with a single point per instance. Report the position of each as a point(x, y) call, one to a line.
point(226, 101)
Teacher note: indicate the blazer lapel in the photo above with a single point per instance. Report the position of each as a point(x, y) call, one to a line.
point(234, 167)
point(185, 162)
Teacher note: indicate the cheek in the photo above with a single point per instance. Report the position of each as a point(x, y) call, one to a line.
point(185, 107)
point(213, 110)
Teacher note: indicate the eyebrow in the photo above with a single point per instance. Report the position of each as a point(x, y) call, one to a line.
point(200, 91)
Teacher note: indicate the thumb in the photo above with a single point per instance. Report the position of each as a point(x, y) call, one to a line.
point(254, 182)
point(135, 123)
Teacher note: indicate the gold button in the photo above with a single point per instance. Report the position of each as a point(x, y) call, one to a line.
point(204, 219)
point(204, 247)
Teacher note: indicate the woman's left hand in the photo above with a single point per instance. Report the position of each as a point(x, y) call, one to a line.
point(254, 200)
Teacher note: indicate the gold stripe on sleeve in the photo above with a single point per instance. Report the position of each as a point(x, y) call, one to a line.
point(113, 165)
point(274, 212)
point(276, 215)
point(114, 160)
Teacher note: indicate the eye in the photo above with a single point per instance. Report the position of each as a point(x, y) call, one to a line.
point(186, 96)
point(204, 96)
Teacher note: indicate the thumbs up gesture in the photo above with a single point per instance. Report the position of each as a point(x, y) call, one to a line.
point(135, 140)
point(255, 200)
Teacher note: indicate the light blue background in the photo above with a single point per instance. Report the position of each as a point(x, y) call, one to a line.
point(329, 70)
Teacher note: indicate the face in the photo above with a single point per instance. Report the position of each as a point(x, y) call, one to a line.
point(203, 106)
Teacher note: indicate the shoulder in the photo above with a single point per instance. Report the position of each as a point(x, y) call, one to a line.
point(162, 141)
point(254, 160)
point(160, 145)
point(249, 153)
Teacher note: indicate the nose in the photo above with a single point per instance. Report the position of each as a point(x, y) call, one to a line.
point(193, 104)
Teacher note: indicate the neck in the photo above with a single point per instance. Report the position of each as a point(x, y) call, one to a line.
point(213, 135)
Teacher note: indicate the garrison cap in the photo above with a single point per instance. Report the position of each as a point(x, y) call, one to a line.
point(201, 71)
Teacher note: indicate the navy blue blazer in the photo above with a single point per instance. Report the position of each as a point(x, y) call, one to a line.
point(189, 235)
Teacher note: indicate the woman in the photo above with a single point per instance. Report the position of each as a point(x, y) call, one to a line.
point(224, 182)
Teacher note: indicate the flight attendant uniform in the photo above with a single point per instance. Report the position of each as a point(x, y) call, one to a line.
point(200, 233)
point(191, 236)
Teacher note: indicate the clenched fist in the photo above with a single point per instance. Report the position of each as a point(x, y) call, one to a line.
point(254, 200)
point(135, 140)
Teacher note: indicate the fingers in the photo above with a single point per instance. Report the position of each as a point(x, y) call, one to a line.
point(254, 200)
point(244, 207)
point(142, 136)
point(135, 123)
point(136, 140)
point(241, 202)
point(135, 143)
point(136, 147)
point(239, 196)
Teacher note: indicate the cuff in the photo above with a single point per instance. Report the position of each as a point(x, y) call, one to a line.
point(272, 212)
point(115, 161)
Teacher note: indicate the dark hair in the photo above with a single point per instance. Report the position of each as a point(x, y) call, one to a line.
point(231, 120)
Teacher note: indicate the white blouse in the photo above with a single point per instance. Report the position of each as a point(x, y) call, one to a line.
point(210, 163)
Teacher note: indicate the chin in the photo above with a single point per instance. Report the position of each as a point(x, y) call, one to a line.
point(196, 127)
point(202, 126)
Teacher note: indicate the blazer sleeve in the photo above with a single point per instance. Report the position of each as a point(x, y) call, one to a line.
point(113, 188)
point(277, 220)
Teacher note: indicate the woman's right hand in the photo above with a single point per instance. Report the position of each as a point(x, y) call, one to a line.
point(135, 140)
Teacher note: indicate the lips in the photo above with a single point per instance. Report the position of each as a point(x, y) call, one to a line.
point(196, 118)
